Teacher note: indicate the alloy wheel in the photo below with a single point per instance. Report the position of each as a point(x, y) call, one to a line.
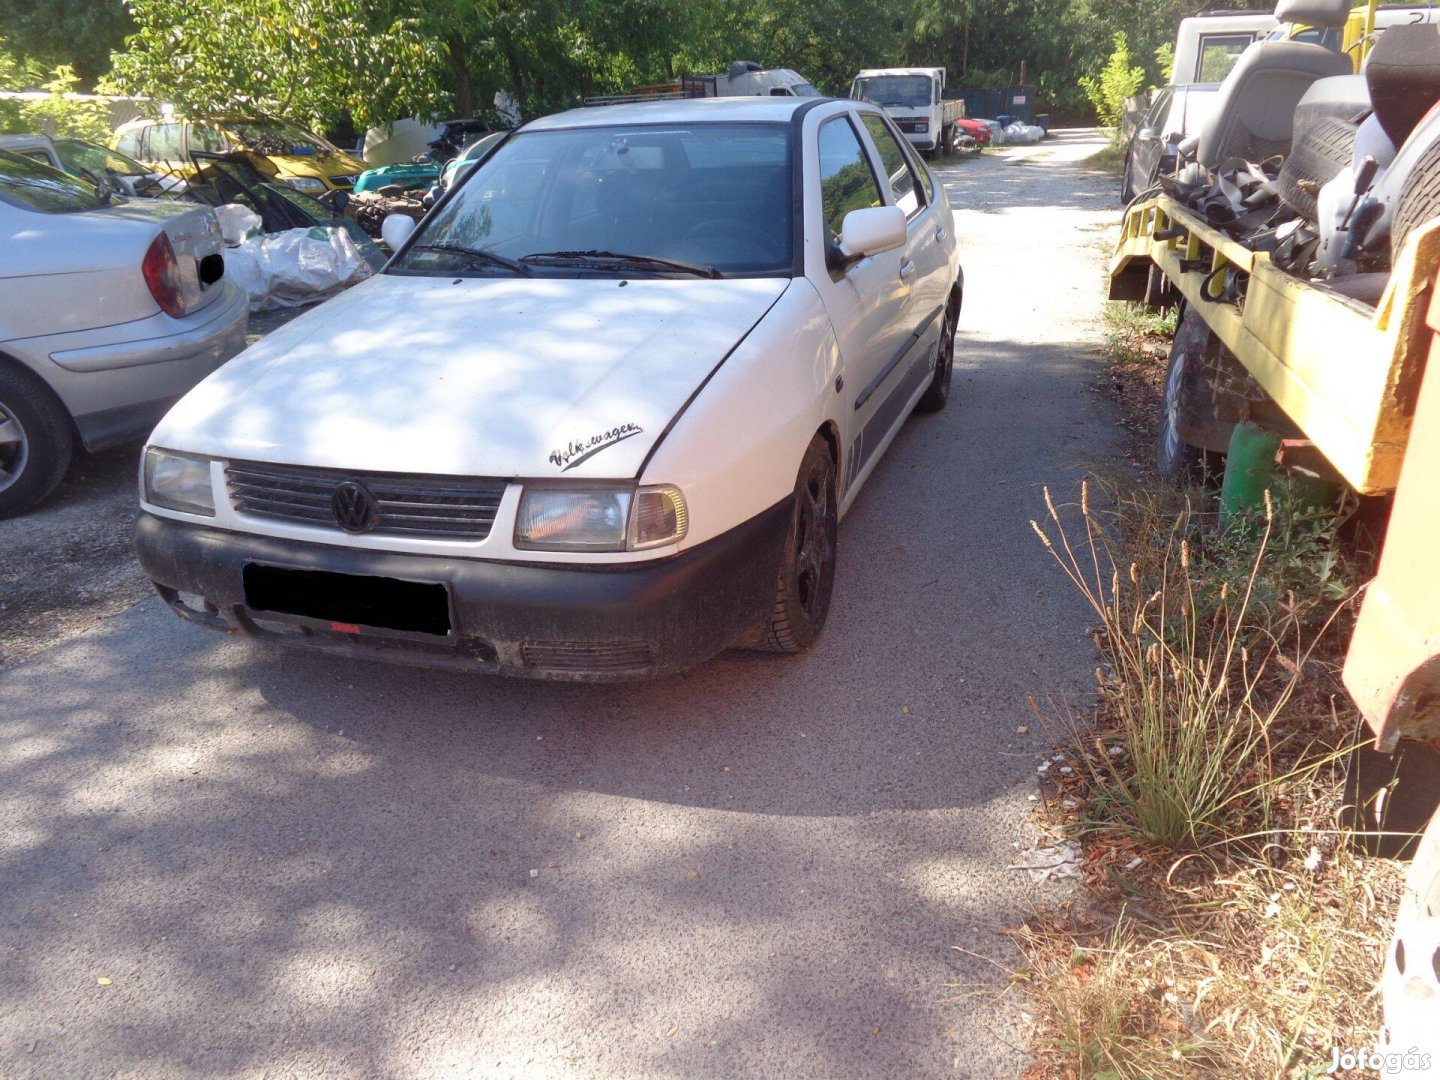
point(14, 447)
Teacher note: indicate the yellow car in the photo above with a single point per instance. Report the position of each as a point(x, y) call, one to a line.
point(279, 148)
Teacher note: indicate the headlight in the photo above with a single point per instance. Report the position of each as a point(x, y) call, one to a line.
point(922, 126)
point(178, 482)
point(619, 519)
point(305, 183)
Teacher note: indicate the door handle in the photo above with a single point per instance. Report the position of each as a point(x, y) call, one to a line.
point(907, 270)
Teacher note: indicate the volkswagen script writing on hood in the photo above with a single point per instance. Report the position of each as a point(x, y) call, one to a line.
point(576, 452)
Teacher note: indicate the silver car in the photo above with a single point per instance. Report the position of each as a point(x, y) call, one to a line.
point(110, 309)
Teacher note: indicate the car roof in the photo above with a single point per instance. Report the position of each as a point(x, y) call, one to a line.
point(678, 111)
point(24, 142)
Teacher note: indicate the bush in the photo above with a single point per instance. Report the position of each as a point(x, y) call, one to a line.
point(1119, 80)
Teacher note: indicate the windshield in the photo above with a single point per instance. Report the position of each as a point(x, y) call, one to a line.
point(277, 137)
point(34, 186)
point(910, 91)
point(804, 89)
point(714, 196)
point(96, 159)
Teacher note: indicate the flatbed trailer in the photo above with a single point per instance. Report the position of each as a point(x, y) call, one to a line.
point(1351, 378)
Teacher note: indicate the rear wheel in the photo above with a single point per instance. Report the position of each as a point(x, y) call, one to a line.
point(939, 390)
point(1176, 459)
point(36, 441)
point(807, 565)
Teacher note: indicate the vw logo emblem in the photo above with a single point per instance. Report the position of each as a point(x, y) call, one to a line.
point(354, 507)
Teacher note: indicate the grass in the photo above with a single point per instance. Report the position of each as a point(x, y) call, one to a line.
point(1110, 159)
point(1226, 926)
point(1135, 334)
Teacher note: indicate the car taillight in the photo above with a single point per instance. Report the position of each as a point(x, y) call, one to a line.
point(162, 275)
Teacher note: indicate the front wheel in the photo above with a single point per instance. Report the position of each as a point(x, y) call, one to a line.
point(938, 391)
point(807, 564)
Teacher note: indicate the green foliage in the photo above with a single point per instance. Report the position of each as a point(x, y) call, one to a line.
point(307, 60)
point(1165, 61)
point(59, 114)
point(1117, 81)
point(59, 33)
point(55, 114)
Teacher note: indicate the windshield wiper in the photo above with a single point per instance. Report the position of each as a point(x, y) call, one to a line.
point(617, 259)
point(479, 255)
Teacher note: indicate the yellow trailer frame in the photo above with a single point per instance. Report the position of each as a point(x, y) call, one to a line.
point(1346, 374)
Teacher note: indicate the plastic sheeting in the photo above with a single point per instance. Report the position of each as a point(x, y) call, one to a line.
point(1023, 134)
point(295, 267)
point(237, 223)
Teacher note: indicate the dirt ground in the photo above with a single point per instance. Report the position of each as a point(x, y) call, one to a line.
point(68, 565)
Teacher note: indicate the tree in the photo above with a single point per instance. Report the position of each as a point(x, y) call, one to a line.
point(1117, 81)
point(55, 114)
point(79, 33)
point(308, 60)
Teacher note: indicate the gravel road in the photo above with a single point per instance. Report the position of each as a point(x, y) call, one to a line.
point(220, 861)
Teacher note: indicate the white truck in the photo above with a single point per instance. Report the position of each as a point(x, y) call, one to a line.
point(915, 99)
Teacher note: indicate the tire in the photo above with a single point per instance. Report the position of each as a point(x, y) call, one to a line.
point(1175, 459)
point(806, 575)
point(1317, 158)
point(938, 392)
point(1419, 199)
point(36, 441)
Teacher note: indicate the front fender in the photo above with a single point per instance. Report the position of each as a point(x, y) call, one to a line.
point(735, 449)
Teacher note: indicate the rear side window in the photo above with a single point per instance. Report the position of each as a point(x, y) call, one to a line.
point(1218, 54)
point(164, 142)
point(904, 187)
point(846, 180)
point(34, 186)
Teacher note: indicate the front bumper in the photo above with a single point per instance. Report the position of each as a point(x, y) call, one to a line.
point(555, 621)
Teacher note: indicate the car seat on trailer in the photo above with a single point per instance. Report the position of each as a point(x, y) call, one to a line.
point(1255, 115)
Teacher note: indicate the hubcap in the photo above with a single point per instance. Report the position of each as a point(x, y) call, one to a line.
point(14, 449)
point(813, 550)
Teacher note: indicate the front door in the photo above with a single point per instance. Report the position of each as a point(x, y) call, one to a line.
point(868, 301)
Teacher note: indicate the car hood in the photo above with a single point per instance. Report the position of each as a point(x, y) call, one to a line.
point(512, 377)
point(317, 165)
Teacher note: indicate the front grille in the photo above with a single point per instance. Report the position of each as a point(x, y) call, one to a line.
point(588, 657)
point(913, 127)
point(431, 507)
point(344, 181)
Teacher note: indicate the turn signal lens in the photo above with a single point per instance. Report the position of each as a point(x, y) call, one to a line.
point(658, 518)
point(162, 277)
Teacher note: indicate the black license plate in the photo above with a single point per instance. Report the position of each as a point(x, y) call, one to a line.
point(349, 602)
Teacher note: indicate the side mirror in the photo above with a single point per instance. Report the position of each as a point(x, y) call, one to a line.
point(1146, 134)
point(871, 231)
point(396, 229)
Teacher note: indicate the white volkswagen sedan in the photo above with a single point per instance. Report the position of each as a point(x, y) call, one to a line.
point(600, 415)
